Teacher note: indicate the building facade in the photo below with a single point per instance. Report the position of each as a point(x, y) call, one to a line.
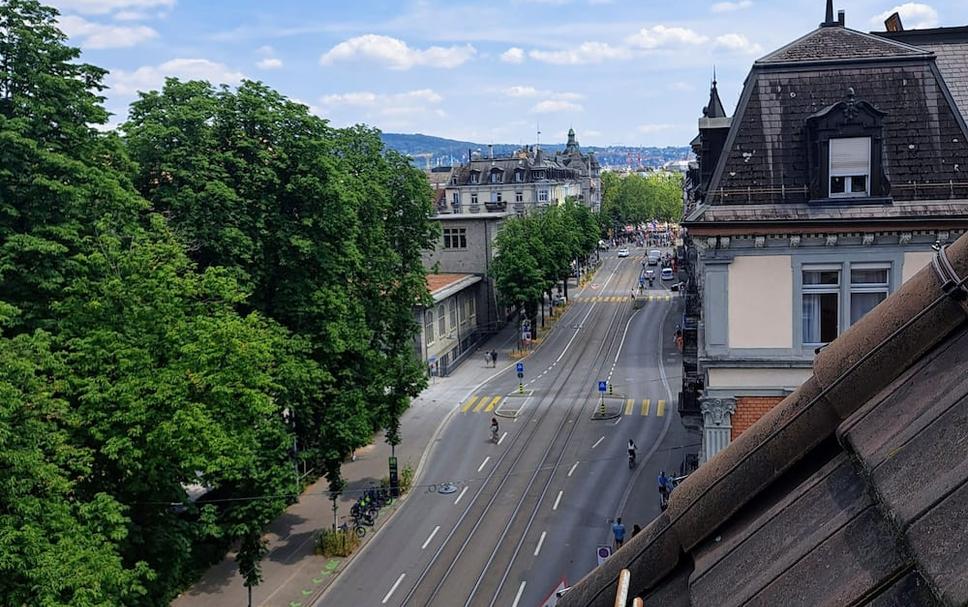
point(450, 328)
point(840, 170)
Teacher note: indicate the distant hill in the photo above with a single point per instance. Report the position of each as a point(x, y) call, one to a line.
point(451, 152)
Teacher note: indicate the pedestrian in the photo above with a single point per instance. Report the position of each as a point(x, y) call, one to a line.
point(635, 530)
point(494, 358)
point(618, 530)
point(664, 484)
point(487, 359)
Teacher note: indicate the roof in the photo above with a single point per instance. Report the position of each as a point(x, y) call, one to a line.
point(442, 286)
point(852, 491)
point(839, 44)
point(922, 210)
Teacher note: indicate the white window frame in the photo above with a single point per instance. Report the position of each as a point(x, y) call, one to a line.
point(848, 172)
point(853, 288)
point(441, 320)
point(542, 195)
point(519, 197)
point(429, 326)
point(846, 289)
point(452, 310)
point(806, 289)
point(474, 198)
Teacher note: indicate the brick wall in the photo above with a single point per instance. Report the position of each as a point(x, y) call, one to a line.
point(749, 409)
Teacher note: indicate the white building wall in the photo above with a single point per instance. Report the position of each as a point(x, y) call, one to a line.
point(913, 262)
point(760, 302)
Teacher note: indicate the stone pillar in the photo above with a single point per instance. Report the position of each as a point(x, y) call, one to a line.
point(717, 424)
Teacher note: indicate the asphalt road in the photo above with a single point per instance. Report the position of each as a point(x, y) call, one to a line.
point(530, 511)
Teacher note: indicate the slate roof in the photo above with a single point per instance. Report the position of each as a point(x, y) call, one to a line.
point(506, 167)
point(852, 491)
point(837, 44)
point(921, 210)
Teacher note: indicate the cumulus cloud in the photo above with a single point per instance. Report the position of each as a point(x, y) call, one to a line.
point(151, 77)
point(269, 63)
point(530, 91)
point(737, 43)
point(914, 15)
point(104, 7)
point(554, 105)
point(585, 53)
point(396, 54)
point(385, 108)
point(726, 7)
point(660, 36)
point(98, 35)
point(369, 99)
point(513, 55)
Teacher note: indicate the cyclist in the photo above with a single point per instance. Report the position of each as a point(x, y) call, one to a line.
point(494, 429)
point(631, 448)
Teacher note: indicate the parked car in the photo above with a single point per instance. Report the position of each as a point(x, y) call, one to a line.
point(623, 252)
point(666, 274)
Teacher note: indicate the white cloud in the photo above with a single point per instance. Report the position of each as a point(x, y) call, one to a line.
point(150, 77)
point(395, 54)
point(103, 7)
point(683, 87)
point(530, 91)
point(914, 15)
point(512, 55)
point(725, 7)
point(369, 99)
point(98, 35)
point(660, 36)
point(553, 105)
point(390, 110)
point(737, 43)
point(266, 50)
point(586, 52)
point(132, 16)
point(651, 129)
point(269, 63)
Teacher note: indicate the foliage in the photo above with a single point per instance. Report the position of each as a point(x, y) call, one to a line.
point(406, 478)
point(331, 543)
point(634, 198)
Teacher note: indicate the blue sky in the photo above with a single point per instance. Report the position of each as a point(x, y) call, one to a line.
point(629, 72)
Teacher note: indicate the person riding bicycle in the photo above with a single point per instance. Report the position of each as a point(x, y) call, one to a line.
point(631, 448)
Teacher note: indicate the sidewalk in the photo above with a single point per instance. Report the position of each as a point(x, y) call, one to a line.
point(292, 575)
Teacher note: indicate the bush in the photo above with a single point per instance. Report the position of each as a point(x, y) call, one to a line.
point(336, 543)
point(406, 478)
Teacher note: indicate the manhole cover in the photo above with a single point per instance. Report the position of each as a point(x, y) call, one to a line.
point(446, 488)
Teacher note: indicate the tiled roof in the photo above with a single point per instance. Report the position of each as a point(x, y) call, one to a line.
point(439, 282)
point(839, 43)
point(953, 63)
point(852, 491)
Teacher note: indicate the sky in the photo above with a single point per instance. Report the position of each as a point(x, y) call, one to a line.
point(620, 72)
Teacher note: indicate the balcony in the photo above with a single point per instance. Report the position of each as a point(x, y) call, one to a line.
point(495, 207)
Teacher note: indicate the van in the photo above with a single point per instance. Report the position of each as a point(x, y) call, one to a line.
point(654, 256)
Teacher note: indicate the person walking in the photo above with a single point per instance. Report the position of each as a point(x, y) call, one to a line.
point(618, 530)
point(664, 486)
point(494, 358)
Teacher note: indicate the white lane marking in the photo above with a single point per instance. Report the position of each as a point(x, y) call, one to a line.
point(593, 446)
point(575, 465)
point(432, 534)
point(557, 499)
point(484, 463)
point(615, 423)
point(500, 440)
point(540, 541)
point(462, 492)
point(394, 587)
point(517, 597)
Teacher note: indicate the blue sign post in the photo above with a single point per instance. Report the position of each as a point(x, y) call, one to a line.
point(520, 369)
point(602, 386)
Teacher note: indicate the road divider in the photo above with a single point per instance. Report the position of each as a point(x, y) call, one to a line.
point(557, 499)
point(432, 534)
point(484, 463)
point(393, 588)
point(540, 542)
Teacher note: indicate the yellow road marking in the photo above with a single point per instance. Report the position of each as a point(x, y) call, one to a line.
point(645, 406)
point(470, 403)
point(480, 404)
point(628, 406)
point(494, 401)
point(661, 408)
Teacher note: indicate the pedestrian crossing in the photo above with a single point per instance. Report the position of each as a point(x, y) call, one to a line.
point(646, 407)
point(621, 298)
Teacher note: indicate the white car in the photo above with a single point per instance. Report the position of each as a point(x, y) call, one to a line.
point(623, 252)
point(666, 274)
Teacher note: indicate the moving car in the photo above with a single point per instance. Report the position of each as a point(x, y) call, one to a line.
point(654, 256)
point(623, 252)
point(650, 274)
point(666, 274)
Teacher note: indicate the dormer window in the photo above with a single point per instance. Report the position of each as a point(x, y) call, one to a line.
point(850, 167)
point(518, 176)
point(475, 177)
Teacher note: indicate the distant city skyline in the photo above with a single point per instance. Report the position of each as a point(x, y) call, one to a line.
point(621, 72)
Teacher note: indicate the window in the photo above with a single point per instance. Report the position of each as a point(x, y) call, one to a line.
point(821, 305)
point(519, 197)
point(453, 311)
point(474, 198)
point(475, 177)
point(455, 238)
point(868, 287)
point(455, 199)
point(850, 167)
point(495, 176)
point(441, 321)
point(500, 197)
point(429, 326)
point(518, 176)
point(542, 195)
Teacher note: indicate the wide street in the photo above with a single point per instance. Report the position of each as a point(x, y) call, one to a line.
point(529, 512)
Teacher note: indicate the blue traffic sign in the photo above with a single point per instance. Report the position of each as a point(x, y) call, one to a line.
point(602, 386)
point(519, 367)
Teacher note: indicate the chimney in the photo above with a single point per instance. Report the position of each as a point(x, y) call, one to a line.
point(490, 151)
point(893, 23)
point(841, 18)
point(828, 20)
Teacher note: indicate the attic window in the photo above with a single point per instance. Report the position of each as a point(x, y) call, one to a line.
point(850, 167)
point(475, 176)
point(519, 175)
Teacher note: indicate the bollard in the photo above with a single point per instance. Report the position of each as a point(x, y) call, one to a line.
point(520, 388)
point(609, 388)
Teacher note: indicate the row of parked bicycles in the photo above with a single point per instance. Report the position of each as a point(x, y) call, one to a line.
point(364, 512)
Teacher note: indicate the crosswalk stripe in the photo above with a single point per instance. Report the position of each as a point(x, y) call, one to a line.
point(480, 404)
point(661, 408)
point(628, 406)
point(645, 406)
point(494, 401)
point(470, 403)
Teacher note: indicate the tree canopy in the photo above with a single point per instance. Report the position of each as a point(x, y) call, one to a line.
point(634, 198)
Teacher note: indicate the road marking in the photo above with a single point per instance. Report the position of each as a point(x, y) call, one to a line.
point(484, 463)
point(397, 583)
point(645, 406)
point(557, 499)
point(470, 403)
point(480, 404)
point(501, 440)
point(517, 597)
point(660, 409)
point(494, 401)
point(462, 492)
point(628, 406)
point(593, 446)
point(540, 542)
point(575, 465)
point(432, 534)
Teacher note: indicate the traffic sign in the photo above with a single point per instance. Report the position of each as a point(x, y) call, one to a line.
point(602, 386)
point(519, 367)
point(603, 553)
point(520, 375)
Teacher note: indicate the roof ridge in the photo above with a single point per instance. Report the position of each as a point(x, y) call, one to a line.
point(776, 56)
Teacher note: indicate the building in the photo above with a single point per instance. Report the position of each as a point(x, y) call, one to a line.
point(589, 171)
point(449, 329)
point(843, 164)
point(852, 491)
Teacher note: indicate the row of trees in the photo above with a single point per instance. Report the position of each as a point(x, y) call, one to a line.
point(634, 198)
point(222, 288)
point(535, 252)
